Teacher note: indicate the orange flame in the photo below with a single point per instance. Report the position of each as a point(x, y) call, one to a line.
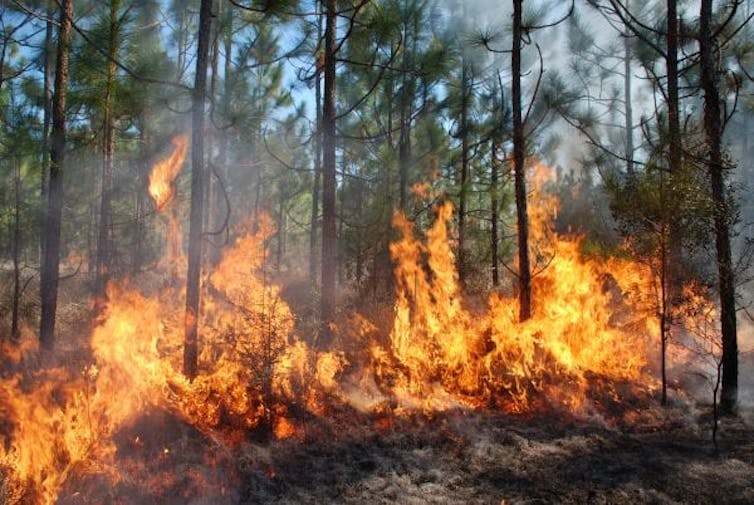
point(451, 354)
point(60, 420)
point(592, 324)
point(162, 177)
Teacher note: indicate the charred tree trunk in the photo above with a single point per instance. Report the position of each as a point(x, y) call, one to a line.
point(713, 129)
point(524, 268)
point(329, 227)
point(104, 236)
point(51, 266)
point(196, 215)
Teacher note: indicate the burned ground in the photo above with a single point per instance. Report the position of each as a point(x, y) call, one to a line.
point(475, 458)
point(457, 457)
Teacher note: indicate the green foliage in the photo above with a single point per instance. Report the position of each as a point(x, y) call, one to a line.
point(656, 206)
point(401, 67)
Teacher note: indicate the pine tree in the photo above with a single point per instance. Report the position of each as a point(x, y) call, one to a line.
point(196, 216)
point(53, 215)
point(713, 131)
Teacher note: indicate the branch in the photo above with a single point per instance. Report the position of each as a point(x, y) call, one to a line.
point(123, 67)
point(555, 23)
point(537, 85)
point(224, 226)
point(631, 22)
point(351, 23)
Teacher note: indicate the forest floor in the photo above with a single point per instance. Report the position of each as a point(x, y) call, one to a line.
point(463, 458)
point(653, 455)
point(456, 457)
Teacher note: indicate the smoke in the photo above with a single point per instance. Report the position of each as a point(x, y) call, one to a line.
point(746, 368)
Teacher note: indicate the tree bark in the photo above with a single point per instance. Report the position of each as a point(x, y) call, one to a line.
point(212, 134)
point(49, 65)
point(713, 129)
point(51, 266)
point(627, 98)
point(140, 199)
point(464, 175)
point(196, 214)
point(329, 228)
point(104, 236)
point(280, 236)
point(219, 209)
point(15, 331)
point(524, 269)
point(316, 186)
point(674, 128)
point(494, 214)
point(407, 95)
point(675, 154)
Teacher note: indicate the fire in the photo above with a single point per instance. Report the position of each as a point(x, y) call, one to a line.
point(592, 325)
point(162, 189)
point(451, 354)
point(251, 366)
point(162, 177)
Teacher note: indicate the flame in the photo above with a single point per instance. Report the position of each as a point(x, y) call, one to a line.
point(451, 354)
point(162, 189)
point(59, 420)
point(162, 178)
point(591, 333)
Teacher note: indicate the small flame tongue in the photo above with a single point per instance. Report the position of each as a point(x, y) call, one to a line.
point(165, 171)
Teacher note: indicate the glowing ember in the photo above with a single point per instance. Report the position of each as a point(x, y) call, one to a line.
point(162, 177)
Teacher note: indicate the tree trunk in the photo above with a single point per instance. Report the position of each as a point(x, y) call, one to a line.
point(15, 331)
point(628, 100)
point(524, 272)
point(329, 228)
point(219, 210)
point(104, 236)
point(141, 202)
point(675, 155)
point(464, 176)
point(466, 91)
point(211, 137)
point(404, 143)
point(317, 167)
point(196, 214)
point(49, 65)
point(51, 266)
point(664, 295)
point(494, 214)
point(674, 128)
point(280, 236)
point(713, 129)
